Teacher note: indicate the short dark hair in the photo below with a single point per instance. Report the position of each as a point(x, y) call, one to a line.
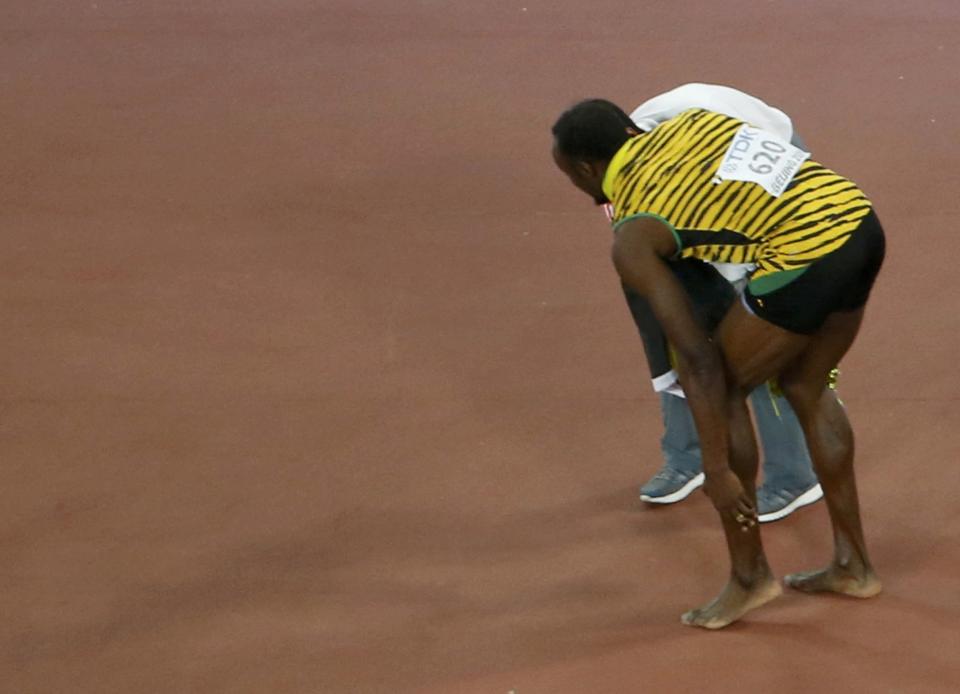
point(592, 130)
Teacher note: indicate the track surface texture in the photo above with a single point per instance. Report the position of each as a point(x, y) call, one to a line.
point(316, 376)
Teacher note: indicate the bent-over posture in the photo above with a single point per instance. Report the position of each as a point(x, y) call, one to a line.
point(789, 482)
point(708, 186)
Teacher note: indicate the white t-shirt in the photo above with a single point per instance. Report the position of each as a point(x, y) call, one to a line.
point(712, 97)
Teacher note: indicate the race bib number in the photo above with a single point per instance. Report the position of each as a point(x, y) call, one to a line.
point(761, 157)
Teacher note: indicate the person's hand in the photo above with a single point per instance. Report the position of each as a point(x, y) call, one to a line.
point(729, 498)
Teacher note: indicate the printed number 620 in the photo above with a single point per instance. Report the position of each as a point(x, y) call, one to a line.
point(773, 154)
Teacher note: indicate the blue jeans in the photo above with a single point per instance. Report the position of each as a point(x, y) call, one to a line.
point(786, 461)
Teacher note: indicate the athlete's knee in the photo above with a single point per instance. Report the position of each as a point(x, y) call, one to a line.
point(803, 394)
point(740, 382)
point(737, 401)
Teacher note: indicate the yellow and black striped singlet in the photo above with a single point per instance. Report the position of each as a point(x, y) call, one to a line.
point(671, 173)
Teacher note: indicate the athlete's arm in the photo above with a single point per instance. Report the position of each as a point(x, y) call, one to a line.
point(639, 252)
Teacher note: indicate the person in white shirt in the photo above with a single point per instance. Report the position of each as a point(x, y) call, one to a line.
point(789, 480)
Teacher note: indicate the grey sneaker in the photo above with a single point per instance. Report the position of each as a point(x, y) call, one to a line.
point(670, 486)
point(774, 504)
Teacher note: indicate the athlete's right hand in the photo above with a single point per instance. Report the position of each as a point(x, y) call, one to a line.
point(730, 499)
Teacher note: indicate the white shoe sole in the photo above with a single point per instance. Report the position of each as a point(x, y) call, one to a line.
point(679, 495)
point(812, 495)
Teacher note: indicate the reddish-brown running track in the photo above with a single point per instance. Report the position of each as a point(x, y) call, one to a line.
point(316, 376)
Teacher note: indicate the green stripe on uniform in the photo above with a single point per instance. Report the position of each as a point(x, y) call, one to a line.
point(771, 283)
point(676, 236)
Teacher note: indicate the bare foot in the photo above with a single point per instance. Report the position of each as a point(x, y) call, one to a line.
point(834, 579)
point(734, 602)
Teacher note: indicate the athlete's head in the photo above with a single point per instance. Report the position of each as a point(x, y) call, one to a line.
point(585, 139)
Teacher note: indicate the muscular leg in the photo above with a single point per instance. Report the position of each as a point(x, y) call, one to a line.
point(831, 444)
point(751, 582)
point(753, 351)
